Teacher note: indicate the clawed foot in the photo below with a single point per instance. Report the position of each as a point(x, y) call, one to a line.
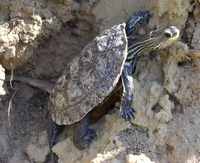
point(128, 114)
point(137, 19)
point(145, 15)
point(84, 141)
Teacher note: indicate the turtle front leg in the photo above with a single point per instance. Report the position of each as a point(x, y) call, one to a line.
point(82, 134)
point(136, 20)
point(127, 111)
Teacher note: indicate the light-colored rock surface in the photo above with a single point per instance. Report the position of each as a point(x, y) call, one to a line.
point(138, 159)
point(196, 35)
point(39, 38)
point(112, 142)
point(38, 147)
point(168, 12)
point(106, 10)
point(2, 78)
point(17, 40)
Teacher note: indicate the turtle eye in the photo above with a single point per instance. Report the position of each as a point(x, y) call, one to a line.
point(168, 34)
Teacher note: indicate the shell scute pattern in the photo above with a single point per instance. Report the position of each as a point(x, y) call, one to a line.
point(74, 69)
point(87, 105)
point(89, 81)
point(74, 91)
point(102, 44)
point(89, 78)
point(104, 64)
point(105, 43)
point(88, 54)
point(76, 113)
point(117, 51)
point(103, 88)
point(58, 97)
point(95, 98)
point(65, 118)
point(60, 100)
point(61, 82)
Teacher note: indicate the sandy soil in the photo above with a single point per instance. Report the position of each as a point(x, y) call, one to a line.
point(39, 38)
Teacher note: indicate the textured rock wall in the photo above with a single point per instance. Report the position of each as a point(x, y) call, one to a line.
point(39, 38)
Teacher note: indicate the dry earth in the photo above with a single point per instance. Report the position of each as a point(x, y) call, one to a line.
point(38, 38)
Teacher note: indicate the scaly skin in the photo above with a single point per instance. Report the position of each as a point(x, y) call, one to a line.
point(127, 111)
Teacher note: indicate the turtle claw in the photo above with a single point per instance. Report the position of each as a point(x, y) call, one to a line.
point(128, 114)
point(85, 140)
point(91, 134)
point(137, 19)
point(146, 15)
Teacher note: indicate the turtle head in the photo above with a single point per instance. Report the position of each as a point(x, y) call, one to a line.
point(156, 39)
point(163, 37)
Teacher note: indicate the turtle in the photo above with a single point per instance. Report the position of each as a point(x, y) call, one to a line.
point(93, 75)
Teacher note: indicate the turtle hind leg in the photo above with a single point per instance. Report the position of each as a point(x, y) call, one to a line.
point(54, 131)
point(82, 134)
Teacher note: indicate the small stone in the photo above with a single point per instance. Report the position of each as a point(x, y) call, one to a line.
point(34, 115)
point(77, 31)
point(2, 78)
point(22, 113)
point(130, 158)
point(40, 108)
point(38, 148)
point(165, 115)
point(10, 52)
point(22, 132)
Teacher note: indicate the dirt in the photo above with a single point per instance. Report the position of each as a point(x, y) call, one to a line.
point(39, 38)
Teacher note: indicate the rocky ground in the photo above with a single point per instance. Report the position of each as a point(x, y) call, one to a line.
point(39, 38)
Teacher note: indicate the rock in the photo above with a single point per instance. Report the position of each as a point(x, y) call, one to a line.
point(196, 35)
point(165, 115)
point(130, 158)
point(10, 52)
point(105, 128)
point(168, 12)
point(179, 52)
point(39, 38)
point(2, 78)
point(106, 10)
point(18, 43)
point(17, 159)
point(51, 26)
point(170, 69)
point(38, 147)
point(19, 38)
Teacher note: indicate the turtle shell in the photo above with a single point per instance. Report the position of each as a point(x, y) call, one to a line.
point(90, 77)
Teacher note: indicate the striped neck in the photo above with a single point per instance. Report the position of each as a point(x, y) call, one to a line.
point(137, 46)
point(157, 39)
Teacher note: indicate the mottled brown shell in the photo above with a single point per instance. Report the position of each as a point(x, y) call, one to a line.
point(90, 77)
